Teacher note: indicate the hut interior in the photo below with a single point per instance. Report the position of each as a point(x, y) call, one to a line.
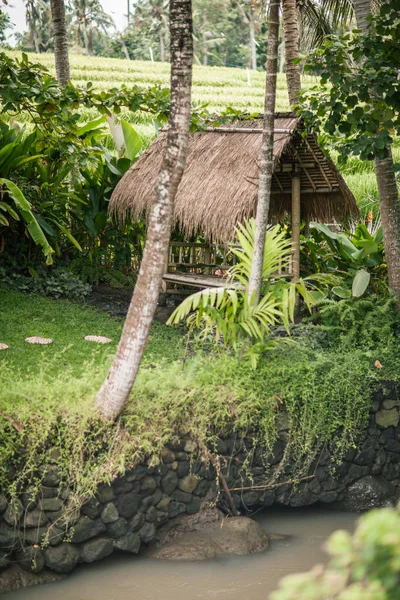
point(219, 189)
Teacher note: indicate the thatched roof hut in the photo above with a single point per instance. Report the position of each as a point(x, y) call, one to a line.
point(219, 185)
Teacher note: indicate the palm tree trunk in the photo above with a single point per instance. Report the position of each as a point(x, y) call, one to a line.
point(266, 155)
point(162, 48)
point(388, 193)
point(60, 41)
point(253, 51)
point(124, 48)
point(118, 384)
point(292, 38)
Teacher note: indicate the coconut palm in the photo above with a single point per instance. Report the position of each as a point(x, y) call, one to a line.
point(88, 18)
point(388, 193)
point(266, 155)
point(118, 384)
point(60, 41)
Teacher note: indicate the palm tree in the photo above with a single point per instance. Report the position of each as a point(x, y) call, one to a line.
point(155, 14)
point(60, 41)
point(266, 155)
point(88, 17)
point(118, 384)
point(387, 185)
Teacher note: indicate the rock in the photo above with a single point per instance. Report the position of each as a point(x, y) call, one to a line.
point(35, 518)
point(127, 504)
point(122, 486)
point(51, 504)
point(169, 482)
point(92, 508)
point(238, 535)
point(167, 456)
point(118, 528)
point(105, 493)
point(151, 500)
point(85, 529)
point(175, 509)
point(183, 468)
point(164, 503)
point(267, 498)
point(388, 404)
point(4, 562)
point(38, 535)
point(251, 498)
point(15, 578)
point(30, 559)
point(62, 558)
point(190, 446)
point(96, 549)
point(3, 503)
point(202, 488)
point(9, 537)
point(365, 457)
point(180, 496)
point(393, 446)
point(30, 498)
point(356, 472)
point(189, 483)
point(366, 493)
point(128, 543)
point(148, 485)
point(193, 506)
point(52, 476)
point(110, 513)
point(152, 514)
point(387, 418)
point(328, 497)
point(147, 532)
point(136, 522)
point(14, 512)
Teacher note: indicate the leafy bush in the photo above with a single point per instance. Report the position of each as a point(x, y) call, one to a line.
point(58, 283)
point(363, 566)
point(227, 311)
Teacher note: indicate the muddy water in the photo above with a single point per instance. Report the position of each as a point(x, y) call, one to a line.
point(232, 578)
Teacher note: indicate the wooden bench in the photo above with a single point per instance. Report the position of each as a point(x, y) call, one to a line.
point(199, 265)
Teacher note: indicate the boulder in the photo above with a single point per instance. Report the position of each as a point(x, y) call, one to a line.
point(85, 529)
point(62, 558)
point(128, 543)
point(110, 513)
point(387, 418)
point(96, 549)
point(366, 493)
point(238, 535)
point(30, 559)
point(15, 578)
point(189, 484)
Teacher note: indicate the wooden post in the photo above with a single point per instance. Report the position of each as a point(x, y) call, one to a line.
point(207, 258)
point(296, 220)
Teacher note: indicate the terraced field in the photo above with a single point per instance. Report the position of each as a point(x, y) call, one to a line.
point(218, 87)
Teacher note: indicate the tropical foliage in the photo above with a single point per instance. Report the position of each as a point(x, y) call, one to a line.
point(227, 311)
point(363, 565)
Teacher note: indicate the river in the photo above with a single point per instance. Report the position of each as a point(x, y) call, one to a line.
point(232, 578)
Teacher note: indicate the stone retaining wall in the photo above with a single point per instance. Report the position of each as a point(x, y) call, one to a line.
point(128, 513)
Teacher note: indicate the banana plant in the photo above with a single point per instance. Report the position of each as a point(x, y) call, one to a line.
point(23, 210)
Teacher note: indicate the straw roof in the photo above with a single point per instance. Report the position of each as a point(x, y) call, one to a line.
point(220, 182)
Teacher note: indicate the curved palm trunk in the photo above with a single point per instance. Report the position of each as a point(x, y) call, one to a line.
point(291, 37)
point(119, 381)
point(387, 185)
point(162, 48)
point(266, 155)
point(60, 41)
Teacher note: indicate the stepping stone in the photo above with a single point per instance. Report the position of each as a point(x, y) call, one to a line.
point(3, 346)
point(38, 340)
point(99, 339)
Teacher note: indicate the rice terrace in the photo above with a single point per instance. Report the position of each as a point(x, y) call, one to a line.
point(199, 300)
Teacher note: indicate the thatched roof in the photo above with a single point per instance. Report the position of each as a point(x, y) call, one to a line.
point(219, 185)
